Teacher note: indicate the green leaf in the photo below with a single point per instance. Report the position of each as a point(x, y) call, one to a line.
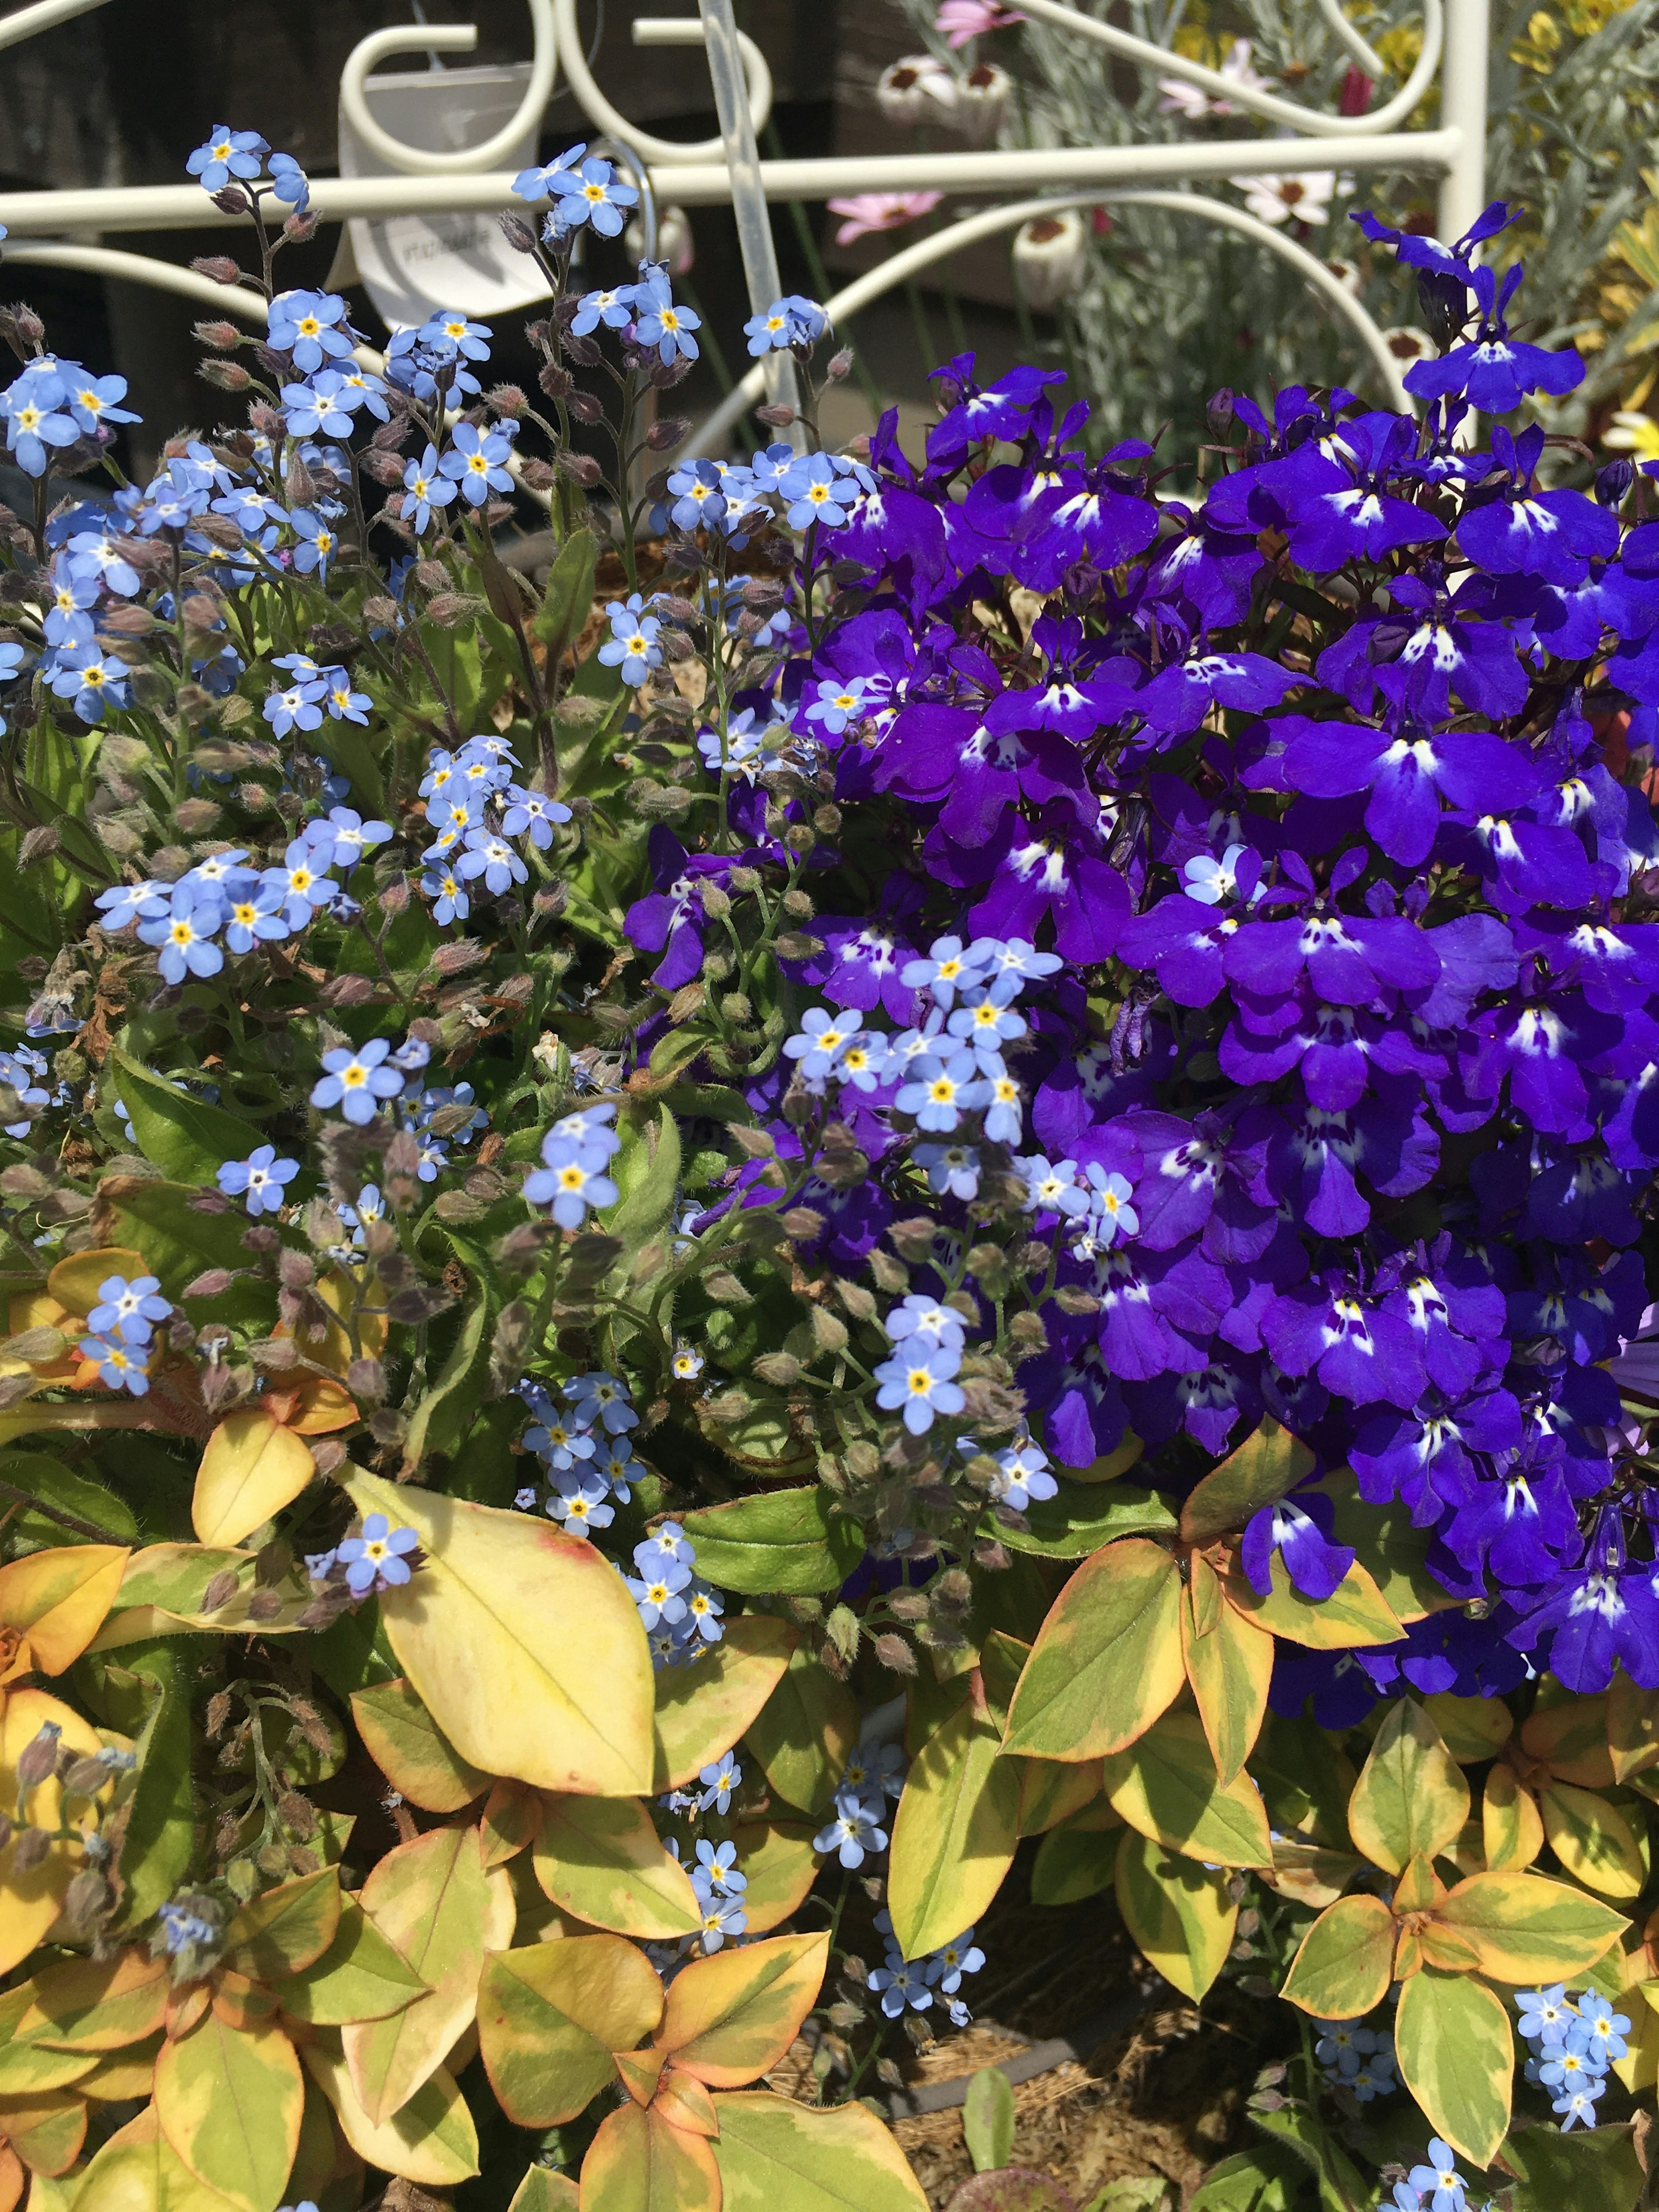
point(774, 2154)
point(1080, 1518)
point(39, 1476)
point(157, 1220)
point(1107, 1661)
point(411, 1750)
point(160, 1827)
point(184, 1136)
point(702, 1709)
point(1353, 1617)
point(1411, 1799)
point(1596, 2170)
point(1182, 1915)
point(987, 2119)
point(551, 2014)
point(1529, 1929)
point(803, 1734)
point(1264, 1468)
point(1341, 2187)
point(446, 1411)
point(1078, 1859)
point(230, 2101)
point(1165, 1785)
point(361, 1976)
point(559, 620)
point(1260, 2180)
point(779, 1540)
point(647, 1174)
point(285, 1930)
point(956, 1830)
point(431, 2140)
point(1456, 2056)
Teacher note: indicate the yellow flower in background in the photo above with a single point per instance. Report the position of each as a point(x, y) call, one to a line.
point(1634, 434)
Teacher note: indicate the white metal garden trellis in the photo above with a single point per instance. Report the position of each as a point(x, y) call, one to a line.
point(43, 225)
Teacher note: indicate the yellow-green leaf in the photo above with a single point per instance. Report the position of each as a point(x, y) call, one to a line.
point(1230, 1668)
point(1346, 1960)
point(729, 2018)
point(1180, 1914)
point(1411, 1799)
point(56, 1601)
point(638, 2163)
point(138, 2170)
point(96, 2004)
point(1472, 1729)
point(1632, 1727)
point(230, 2101)
point(522, 1643)
point(1078, 1858)
point(431, 1899)
point(32, 1898)
point(1457, 2056)
point(543, 2191)
point(1511, 1829)
point(1572, 1736)
point(361, 1976)
point(956, 1830)
point(1265, 1467)
point(432, 2140)
point(549, 2016)
point(1592, 1840)
point(702, 1710)
point(601, 1860)
point(286, 1929)
point(1052, 1790)
point(1166, 1787)
point(27, 2068)
point(1354, 1616)
point(47, 2129)
point(1529, 1929)
point(804, 1734)
point(252, 1466)
point(780, 1866)
point(411, 1750)
point(778, 2156)
point(1108, 1660)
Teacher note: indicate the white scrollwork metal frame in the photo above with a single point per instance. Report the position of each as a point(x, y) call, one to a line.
point(42, 224)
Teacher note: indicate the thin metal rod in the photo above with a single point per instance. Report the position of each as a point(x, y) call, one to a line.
point(187, 207)
point(665, 152)
point(1288, 112)
point(449, 39)
point(711, 432)
point(28, 21)
point(138, 269)
point(743, 163)
point(1464, 107)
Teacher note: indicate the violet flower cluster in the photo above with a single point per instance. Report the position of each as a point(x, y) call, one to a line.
point(1304, 781)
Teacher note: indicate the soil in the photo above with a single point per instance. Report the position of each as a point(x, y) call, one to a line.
point(1165, 2097)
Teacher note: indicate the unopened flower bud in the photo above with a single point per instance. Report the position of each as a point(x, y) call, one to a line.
point(537, 475)
point(777, 416)
point(1219, 413)
point(1050, 255)
point(224, 375)
point(30, 1848)
point(230, 199)
point(299, 228)
point(663, 437)
point(507, 399)
point(226, 336)
point(580, 468)
point(982, 98)
point(519, 234)
point(840, 367)
point(1612, 482)
point(799, 837)
point(911, 90)
point(38, 1757)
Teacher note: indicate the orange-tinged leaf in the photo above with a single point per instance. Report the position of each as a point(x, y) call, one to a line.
point(55, 1601)
point(1265, 1467)
point(781, 1867)
point(1446, 1947)
point(1311, 1874)
point(1342, 1968)
point(955, 1833)
point(728, 2017)
point(75, 1282)
point(1529, 1929)
point(550, 2015)
point(138, 2170)
point(1572, 1737)
point(47, 2130)
point(33, 1899)
point(96, 2004)
point(230, 2101)
point(1229, 1665)
point(1512, 1828)
point(1107, 1661)
point(1593, 1841)
point(360, 1977)
point(774, 2153)
point(640, 2072)
point(12, 2176)
point(1418, 1886)
point(411, 1750)
point(1457, 2056)
point(1411, 1799)
point(511, 1821)
point(543, 2191)
point(701, 1712)
point(601, 1860)
point(286, 1929)
point(1472, 1729)
point(685, 2103)
point(523, 1643)
point(1632, 1727)
point(435, 1900)
point(432, 2140)
point(1182, 1915)
point(1355, 1615)
point(251, 1468)
point(638, 2163)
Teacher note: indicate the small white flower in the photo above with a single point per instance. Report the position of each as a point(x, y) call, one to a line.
point(915, 90)
point(1050, 256)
